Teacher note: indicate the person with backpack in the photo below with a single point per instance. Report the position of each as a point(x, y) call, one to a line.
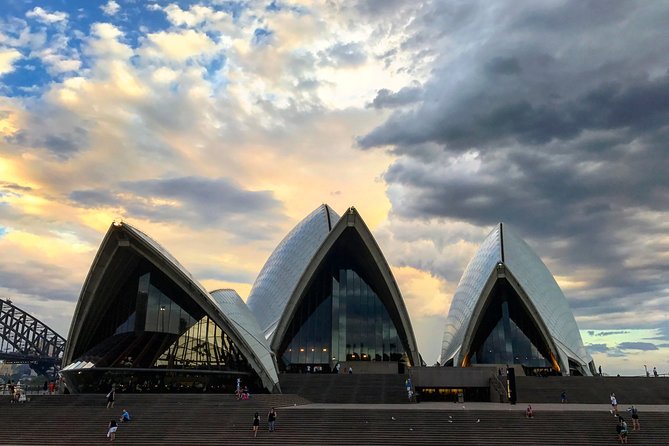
point(621, 429)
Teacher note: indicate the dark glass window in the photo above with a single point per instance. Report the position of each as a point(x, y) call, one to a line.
point(340, 318)
point(507, 334)
point(152, 323)
point(203, 346)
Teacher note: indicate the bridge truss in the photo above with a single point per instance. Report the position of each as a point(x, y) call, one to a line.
point(26, 340)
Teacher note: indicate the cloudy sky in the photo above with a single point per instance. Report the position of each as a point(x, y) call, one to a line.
point(215, 126)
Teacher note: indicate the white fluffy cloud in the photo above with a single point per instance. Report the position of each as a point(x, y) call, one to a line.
point(7, 58)
point(179, 46)
point(111, 8)
point(45, 16)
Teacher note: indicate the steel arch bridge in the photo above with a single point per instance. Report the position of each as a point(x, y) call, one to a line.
point(26, 340)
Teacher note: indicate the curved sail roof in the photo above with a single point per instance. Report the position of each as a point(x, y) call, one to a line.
point(276, 282)
point(304, 264)
point(504, 250)
point(122, 245)
point(247, 327)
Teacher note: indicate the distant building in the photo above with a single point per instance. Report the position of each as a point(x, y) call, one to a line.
point(326, 295)
point(508, 309)
point(144, 324)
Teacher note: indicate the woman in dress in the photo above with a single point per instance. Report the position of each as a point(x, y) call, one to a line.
point(256, 424)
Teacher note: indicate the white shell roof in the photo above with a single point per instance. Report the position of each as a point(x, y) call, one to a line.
point(253, 349)
point(284, 267)
point(226, 300)
point(166, 254)
point(243, 320)
point(534, 278)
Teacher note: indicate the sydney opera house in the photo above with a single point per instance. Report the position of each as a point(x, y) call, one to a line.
point(326, 297)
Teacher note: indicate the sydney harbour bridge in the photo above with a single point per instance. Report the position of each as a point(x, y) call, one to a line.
point(26, 340)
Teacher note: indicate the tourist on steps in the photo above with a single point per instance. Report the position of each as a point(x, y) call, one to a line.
point(111, 432)
point(256, 424)
point(271, 419)
point(125, 417)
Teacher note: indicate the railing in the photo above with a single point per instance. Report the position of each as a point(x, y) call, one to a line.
point(499, 386)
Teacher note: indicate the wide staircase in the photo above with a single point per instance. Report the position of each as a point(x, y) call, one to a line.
point(593, 390)
point(346, 388)
point(221, 419)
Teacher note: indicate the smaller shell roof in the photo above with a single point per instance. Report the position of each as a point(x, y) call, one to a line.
point(504, 246)
point(247, 327)
point(279, 276)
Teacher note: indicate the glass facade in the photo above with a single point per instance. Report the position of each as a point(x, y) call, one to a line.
point(508, 334)
point(203, 346)
point(341, 318)
point(152, 325)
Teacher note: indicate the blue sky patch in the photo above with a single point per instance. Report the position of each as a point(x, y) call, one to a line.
point(261, 36)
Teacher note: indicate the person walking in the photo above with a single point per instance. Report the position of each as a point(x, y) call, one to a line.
point(563, 396)
point(614, 405)
point(271, 419)
point(256, 424)
point(636, 425)
point(111, 396)
point(621, 429)
point(111, 430)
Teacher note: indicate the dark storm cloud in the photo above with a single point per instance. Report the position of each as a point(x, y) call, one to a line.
point(95, 198)
point(195, 201)
point(378, 7)
point(662, 331)
point(545, 117)
point(645, 346)
point(388, 99)
point(503, 65)
point(639, 107)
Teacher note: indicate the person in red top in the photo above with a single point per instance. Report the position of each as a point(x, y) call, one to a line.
point(52, 386)
point(528, 412)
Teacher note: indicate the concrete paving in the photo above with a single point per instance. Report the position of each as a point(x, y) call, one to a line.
point(537, 408)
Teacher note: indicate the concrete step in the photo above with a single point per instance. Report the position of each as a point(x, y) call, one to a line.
point(220, 419)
